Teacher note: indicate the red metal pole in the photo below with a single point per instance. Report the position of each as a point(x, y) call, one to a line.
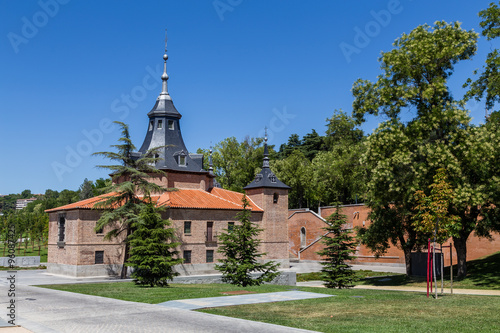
point(428, 260)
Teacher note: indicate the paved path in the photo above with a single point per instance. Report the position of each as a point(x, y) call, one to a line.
point(43, 310)
point(210, 302)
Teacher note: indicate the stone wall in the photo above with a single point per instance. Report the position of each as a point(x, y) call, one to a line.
point(33, 261)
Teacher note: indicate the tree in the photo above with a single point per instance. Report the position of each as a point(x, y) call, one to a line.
point(433, 210)
point(152, 253)
point(121, 209)
point(403, 157)
point(339, 247)
point(235, 163)
point(240, 250)
point(488, 83)
point(296, 171)
point(86, 190)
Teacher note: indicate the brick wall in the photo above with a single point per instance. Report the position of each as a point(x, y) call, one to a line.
point(357, 216)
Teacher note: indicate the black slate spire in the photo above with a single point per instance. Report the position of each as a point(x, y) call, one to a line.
point(266, 178)
point(164, 130)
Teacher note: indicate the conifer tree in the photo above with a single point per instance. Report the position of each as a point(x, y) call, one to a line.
point(339, 247)
point(152, 252)
point(240, 249)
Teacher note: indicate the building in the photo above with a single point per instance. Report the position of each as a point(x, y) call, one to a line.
point(22, 203)
point(198, 209)
point(305, 231)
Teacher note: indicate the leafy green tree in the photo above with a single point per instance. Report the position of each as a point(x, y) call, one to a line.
point(296, 171)
point(488, 83)
point(402, 158)
point(86, 190)
point(311, 144)
point(236, 163)
point(241, 254)
point(342, 130)
point(340, 246)
point(152, 252)
point(100, 185)
point(433, 210)
point(287, 148)
point(121, 209)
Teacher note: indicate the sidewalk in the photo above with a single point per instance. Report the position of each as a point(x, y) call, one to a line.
point(209, 302)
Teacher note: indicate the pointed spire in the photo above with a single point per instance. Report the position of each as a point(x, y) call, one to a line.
point(265, 164)
point(210, 164)
point(164, 77)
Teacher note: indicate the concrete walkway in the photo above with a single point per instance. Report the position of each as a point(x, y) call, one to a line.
point(211, 302)
point(43, 310)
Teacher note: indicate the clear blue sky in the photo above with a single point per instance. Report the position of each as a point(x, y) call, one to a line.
point(235, 67)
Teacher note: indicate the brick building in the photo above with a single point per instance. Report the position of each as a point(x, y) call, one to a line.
point(199, 209)
point(305, 230)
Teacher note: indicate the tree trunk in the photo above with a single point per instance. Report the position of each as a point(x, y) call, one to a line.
point(461, 248)
point(407, 253)
point(126, 254)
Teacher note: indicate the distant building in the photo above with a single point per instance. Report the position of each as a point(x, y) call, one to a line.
point(22, 203)
point(199, 209)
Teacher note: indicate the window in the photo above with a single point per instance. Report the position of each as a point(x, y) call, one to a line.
point(230, 226)
point(99, 257)
point(98, 231)
point(160, 124)
point(210, 255)
point(187, 227)
point(302, 237)
point(187, 257)
point(182, 160)
point(62, 228)
point(210, 231)
point(170, 124)
point(275, 198)
point(151, 124)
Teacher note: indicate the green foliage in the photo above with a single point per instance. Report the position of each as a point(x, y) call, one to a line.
point(236, 163)
point(121, 209)
point(488, 83)
point(339, 247)
point(240, 250)
point(309, 146)
point(86, 190)
point(152, 253)
point(433, 211)
point(296, 171)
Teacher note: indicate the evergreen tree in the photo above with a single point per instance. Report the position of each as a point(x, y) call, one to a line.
point(339, 247)
point(122, 206)
point(240, 249)
point(152, 253)
point(86, 190)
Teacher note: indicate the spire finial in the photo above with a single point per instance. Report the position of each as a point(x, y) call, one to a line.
point(265, 164)
point(210, 164)
point(164, 76)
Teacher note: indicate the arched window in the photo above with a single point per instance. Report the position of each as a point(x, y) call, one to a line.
point(302, 237)
point(275, 198)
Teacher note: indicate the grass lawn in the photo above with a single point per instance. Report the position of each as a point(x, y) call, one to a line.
point(482, 273)
point(30, 251)
point(128, 291)
point(376, 311)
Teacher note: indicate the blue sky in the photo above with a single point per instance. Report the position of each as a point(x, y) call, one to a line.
point(69, 67)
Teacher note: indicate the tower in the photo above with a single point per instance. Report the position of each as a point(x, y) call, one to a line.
point(269, 193)
point(164, 130)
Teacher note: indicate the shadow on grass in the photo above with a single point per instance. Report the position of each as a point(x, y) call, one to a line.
point(482, 274)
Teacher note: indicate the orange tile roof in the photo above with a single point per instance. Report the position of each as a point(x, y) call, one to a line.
point(182, 198)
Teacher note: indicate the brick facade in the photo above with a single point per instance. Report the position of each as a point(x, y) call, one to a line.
point(305, 247)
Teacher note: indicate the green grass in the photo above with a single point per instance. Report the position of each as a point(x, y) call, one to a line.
point(361, 274)
point(376, 311)
point(30, 251)
point(481, 274)
point(128, 291)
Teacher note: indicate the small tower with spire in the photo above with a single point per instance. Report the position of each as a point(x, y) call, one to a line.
point(164, 130)
point(270, 194)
